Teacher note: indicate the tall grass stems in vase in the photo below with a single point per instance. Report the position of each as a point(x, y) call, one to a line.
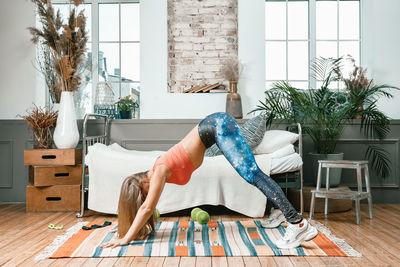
point(232, 72)
point(67, 46)
point(66, 40)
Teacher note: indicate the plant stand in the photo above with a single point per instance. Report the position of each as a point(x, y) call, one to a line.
point(55, 179)
point(343, 194)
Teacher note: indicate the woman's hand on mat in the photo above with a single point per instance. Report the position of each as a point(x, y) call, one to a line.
point(113, 230)
point(115, 243)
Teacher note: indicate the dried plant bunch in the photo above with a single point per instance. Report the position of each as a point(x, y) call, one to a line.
point(44, 64)
point(38, 118)
point(357, 80)
point(41, 122)
point(232, 71)
point(67, 41)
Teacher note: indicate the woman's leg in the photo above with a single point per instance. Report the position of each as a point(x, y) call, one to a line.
point(222, 129)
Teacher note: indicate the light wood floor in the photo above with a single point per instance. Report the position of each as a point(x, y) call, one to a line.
point(24, 235)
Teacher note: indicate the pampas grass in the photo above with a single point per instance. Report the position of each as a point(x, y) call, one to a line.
point(232, 71)
point(357, 80)
point(66, 41)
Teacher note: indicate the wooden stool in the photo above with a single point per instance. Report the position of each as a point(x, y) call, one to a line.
point(343, 194)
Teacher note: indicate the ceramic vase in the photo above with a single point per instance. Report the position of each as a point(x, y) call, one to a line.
point(233, 101)
point(66, 134)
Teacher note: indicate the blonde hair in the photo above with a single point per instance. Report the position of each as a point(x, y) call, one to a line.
point(130, 200)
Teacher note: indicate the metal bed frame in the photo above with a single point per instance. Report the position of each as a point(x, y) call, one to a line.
point(284, 180)
point(293, 179)
point(88, 141)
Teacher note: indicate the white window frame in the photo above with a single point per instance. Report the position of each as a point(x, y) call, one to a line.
point(312, 40)
point(95, 38)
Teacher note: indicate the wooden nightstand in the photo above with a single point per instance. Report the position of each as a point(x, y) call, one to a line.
point(55, 179)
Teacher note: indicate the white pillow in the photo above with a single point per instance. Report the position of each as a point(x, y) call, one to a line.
point(274, 140)
point(283, 152)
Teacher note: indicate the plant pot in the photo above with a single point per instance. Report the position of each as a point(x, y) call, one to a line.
point(66, 134)
point(335, 174)
point(125, 114)
point(43, 139)
point(233, 101)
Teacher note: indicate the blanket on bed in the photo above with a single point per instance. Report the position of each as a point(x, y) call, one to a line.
point(214, 183)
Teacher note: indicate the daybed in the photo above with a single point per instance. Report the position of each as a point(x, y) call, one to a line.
point(214, 183)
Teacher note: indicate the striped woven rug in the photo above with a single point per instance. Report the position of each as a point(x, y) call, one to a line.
point(188, 238)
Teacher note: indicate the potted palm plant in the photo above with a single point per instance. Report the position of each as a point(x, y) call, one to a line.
point(324, 112)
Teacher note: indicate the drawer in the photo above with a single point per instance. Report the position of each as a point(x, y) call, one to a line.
point(43, 157)
point(55, 175)
point(53, 198)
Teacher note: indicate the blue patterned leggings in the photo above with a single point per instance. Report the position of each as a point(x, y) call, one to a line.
point(222, 129)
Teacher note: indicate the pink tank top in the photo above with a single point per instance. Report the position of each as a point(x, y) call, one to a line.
point(179, 162)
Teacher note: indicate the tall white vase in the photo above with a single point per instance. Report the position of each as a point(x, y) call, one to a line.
point(66, 134)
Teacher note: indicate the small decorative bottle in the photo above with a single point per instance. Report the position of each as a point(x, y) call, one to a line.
point(233, 101)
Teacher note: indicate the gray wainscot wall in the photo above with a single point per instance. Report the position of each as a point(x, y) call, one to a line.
point(162, 134)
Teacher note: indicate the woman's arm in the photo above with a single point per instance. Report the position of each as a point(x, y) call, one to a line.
point(156, 187)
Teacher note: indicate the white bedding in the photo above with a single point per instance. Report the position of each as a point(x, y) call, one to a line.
point(289, 163)
point(214, 183)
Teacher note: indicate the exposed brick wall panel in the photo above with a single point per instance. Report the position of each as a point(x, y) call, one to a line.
point(202, 37)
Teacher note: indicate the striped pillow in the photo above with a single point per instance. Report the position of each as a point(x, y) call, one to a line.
point(252, 130)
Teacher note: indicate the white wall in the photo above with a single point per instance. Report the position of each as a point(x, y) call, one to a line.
point(17, 74)
point(380, 54)
point(380, 51)
point(251, 38)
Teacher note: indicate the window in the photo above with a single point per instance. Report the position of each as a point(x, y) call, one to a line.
point(337, 30)
point(286, 45)
point(298, 31)
point(114, 37)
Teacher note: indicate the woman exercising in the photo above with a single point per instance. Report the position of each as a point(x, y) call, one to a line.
point(140, 192)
